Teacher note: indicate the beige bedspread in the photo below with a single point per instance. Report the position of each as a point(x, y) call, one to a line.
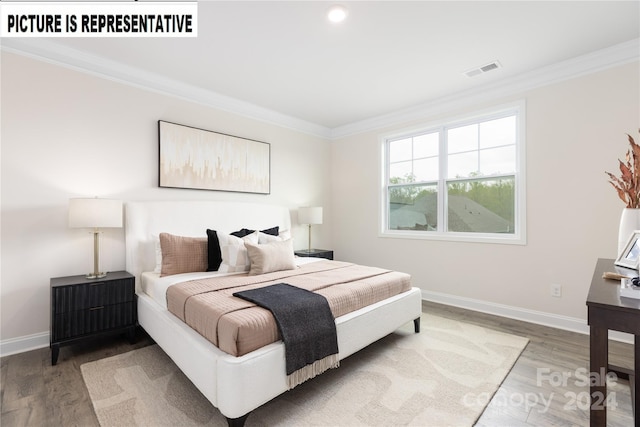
point(238, 327)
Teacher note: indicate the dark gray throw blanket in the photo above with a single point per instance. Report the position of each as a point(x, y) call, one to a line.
point(306, 325)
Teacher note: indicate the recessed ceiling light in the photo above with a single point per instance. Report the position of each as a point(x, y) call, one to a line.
point(337, 13)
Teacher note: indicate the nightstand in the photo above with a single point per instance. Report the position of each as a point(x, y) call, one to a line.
point(84, 308)
point(315, 253)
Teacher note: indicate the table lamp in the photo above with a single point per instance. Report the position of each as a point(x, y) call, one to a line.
point(95, 214)
point(310, 216)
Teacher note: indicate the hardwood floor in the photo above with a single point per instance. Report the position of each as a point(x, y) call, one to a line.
point(545, 387)
point(34, 393)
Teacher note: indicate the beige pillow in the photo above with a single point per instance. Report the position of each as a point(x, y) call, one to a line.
point(274, 256)
point(182, 254)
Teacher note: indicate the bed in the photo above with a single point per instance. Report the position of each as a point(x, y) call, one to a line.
point(236, 385)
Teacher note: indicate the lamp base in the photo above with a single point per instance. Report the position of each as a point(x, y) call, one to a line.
point(96, 260)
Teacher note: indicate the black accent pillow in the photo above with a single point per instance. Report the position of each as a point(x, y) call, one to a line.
point(214, 254)
point(272, 231)
point(245, 232)
point(241, 233)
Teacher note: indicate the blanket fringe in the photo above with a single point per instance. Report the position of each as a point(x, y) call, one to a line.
point(312, 370)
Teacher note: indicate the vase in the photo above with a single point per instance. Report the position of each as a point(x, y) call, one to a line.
point(629, 222)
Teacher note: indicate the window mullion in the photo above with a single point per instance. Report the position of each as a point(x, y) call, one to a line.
point(478, 148)
point(413, 159)
point(443, 167)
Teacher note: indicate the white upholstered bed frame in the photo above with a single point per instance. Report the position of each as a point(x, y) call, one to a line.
point(236, 385)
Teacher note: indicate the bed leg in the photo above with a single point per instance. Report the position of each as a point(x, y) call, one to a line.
point(416, 325)
point(237, 422)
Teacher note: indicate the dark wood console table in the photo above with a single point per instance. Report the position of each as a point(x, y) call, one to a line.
point(608, 311)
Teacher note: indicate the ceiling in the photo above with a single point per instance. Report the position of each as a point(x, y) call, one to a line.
point(387, 56)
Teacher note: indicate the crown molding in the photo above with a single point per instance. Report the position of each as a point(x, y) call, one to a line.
point(48, 51)
point(617, 55)
point(54, 53)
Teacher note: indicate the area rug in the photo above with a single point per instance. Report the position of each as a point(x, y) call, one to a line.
point(443, 376)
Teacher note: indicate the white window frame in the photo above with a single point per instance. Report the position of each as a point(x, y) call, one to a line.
point(517, 238)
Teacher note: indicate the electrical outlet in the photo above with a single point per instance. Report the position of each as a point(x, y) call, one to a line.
point(556, 290)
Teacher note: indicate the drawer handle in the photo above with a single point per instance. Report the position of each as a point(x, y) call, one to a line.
point(97, 308)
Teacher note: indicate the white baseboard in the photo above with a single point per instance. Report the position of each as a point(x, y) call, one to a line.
point(41, 340)
point(538, 317)
point(22, 344)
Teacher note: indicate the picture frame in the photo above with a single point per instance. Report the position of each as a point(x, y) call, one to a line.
point(628, 258)
point(194, 158)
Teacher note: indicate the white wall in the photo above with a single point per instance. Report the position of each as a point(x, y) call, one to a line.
point(575, 130)
point(70, 134)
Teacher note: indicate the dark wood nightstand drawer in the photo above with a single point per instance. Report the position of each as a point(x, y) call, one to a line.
point(101, 318)
point(78, 297)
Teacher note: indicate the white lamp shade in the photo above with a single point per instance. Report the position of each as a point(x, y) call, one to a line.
point(95, 213)
point(310, 215)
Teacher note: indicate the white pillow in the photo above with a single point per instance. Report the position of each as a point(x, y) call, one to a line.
point(156, 242)
point(268, 238)
point(234, 252)
point(269, 257)
point(264, 238)
point(285, 235)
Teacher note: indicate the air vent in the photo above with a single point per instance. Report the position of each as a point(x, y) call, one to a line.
point(483, 69)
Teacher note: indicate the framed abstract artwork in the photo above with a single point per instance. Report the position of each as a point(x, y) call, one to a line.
point(200, 159)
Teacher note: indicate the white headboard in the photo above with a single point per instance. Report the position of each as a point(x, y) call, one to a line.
point(144, 221)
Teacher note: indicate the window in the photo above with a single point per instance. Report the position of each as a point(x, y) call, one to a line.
point(460, 180)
